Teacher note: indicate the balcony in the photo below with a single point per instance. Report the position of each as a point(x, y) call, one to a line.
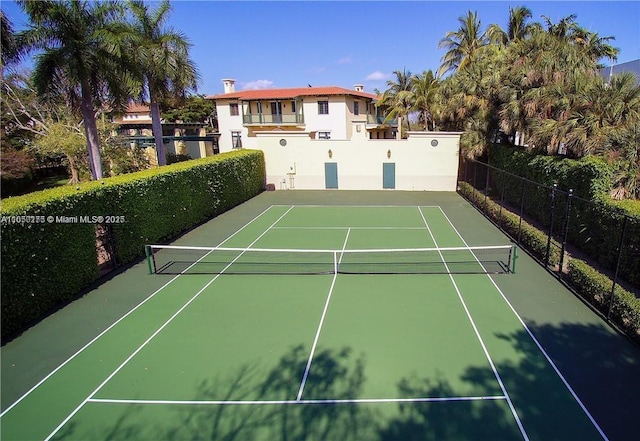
point(275, 120)
point(379, 120)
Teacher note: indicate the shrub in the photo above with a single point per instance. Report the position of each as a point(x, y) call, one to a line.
point(596, 289)
point(16, 172)
point(596, 220)
point(47, 261)
point(531, 238)
point(590, 284)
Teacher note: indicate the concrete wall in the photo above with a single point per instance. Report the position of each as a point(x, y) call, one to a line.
point(419, 165)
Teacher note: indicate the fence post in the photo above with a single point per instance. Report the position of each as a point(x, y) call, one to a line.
point(475, 174)
point(521, 210)
point(566, 231)
point(501, 199)
point(486, 189)
point(615, 277)
point(550, 235)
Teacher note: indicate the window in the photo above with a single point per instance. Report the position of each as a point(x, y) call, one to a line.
point(293, 107)
point(233, 108)
point(324, 135)
point(356, 108)
point(236, 140)
point(323, 107)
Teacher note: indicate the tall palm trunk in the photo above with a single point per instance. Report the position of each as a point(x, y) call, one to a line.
point(91, 132)
point(156, 128)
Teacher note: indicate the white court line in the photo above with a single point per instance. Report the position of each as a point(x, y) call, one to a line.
point(356, 206)
point(324, 313)
point(79, 351)
point(345, 227)
point(475, 329)
point(538, 344)
point(293, 402)
point(77, 409)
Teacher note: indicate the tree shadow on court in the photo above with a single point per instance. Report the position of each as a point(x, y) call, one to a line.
point(120, 429)
point(601, 367)
point(337, 375)
point(447, 420)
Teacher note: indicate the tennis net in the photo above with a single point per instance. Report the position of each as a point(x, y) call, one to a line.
point(171, 259)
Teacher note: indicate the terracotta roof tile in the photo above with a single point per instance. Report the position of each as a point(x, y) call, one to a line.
point(265, 94)
point(137, 108)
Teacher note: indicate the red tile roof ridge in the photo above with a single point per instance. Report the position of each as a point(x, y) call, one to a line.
point(138, 107)
point(291, 92)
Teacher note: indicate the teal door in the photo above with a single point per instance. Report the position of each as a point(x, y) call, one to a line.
point(331, 174)
point(389, 175)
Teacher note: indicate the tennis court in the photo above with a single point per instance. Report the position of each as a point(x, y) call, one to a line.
point(315, 322)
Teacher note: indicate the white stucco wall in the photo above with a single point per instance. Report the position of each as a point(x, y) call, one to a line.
point(334, 121)
point(232, 123)
point(418, 164)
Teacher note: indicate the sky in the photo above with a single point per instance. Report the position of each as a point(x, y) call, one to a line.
point(272, 44)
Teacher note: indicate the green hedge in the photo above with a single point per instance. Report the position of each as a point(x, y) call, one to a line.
point(596, 221)
point(46, 263)
point(531, 238)
point(596, 289)
point(590, 284)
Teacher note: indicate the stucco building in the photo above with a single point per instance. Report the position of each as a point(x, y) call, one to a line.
point(333, 137)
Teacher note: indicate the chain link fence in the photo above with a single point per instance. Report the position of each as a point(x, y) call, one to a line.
point(561, 229)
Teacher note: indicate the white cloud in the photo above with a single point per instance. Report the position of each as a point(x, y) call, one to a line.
point(378, 76)
point(345, 60)
point(258, 84)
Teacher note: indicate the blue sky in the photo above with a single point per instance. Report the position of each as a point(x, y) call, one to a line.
point(336, 43)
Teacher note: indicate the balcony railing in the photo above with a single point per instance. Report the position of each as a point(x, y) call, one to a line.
point(267, 118)
point(379, 120)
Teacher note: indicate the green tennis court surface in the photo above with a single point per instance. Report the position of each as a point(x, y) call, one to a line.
point(212, 354)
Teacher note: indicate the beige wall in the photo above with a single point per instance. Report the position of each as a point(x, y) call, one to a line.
point(419, 165)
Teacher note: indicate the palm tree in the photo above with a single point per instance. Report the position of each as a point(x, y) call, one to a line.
point(161, 64)
point(462, 45)
point(595, 46)
point(9, 48)
point(398, 98)
point(78, 59)
point(564, 29)
point(425, 86)
point(517, 29)
point(468, 101)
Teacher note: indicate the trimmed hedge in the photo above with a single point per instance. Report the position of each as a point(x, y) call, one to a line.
point(590, 284)
point(596, 221)
point(595, 288)
point(47, 261)
point(534, 240)
point(589, 177)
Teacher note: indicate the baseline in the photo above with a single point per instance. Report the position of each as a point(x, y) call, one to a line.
point(296, 401)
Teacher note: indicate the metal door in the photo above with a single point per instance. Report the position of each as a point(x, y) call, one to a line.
point(389, 175)
point(331, 174)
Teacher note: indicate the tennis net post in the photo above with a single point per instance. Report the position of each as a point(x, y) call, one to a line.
point(147, 251)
